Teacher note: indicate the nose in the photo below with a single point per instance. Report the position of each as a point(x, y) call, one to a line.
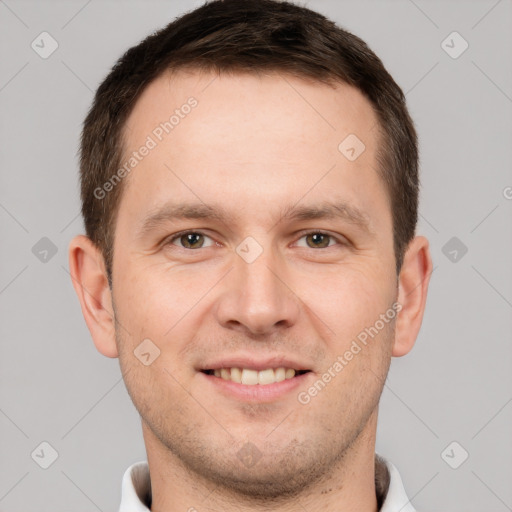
point(258, 296)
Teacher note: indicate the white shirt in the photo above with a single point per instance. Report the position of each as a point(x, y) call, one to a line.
point(136, 489)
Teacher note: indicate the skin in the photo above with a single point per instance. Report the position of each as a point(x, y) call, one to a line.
point(254, 145)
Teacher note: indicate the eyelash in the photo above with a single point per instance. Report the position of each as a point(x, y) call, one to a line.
point(303, 234)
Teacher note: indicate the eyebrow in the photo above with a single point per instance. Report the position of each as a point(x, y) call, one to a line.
point(325, 210)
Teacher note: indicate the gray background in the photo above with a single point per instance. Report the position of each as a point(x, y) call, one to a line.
point(456, 383)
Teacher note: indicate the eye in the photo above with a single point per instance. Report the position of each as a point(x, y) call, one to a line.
point(189, 239)
point(195, 240)
point(319, 239)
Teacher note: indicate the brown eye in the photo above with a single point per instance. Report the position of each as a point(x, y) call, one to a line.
point(318, 240)
point(189, 240)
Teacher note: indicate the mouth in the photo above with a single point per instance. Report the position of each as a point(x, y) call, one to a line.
point(252, 377)
point(247, 378)
point(270, 385)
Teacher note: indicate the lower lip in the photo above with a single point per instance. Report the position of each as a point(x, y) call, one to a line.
point(257, 392)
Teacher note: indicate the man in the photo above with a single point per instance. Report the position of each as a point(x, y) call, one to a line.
point(249, 190)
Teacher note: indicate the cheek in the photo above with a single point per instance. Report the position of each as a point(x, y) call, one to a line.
point(348, 300)
point(154, 299)
point(149, 348)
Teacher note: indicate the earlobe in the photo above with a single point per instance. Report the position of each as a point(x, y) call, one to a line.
point(412, 295)
point(89, 279)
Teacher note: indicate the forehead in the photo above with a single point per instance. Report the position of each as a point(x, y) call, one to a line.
point(271, 106)
point(253, 138)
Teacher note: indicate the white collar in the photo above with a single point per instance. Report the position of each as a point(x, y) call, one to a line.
point(136, 489)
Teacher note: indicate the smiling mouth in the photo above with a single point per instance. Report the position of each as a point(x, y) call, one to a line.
point(251, 377)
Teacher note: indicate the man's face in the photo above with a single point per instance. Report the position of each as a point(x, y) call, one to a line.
point(254, 286)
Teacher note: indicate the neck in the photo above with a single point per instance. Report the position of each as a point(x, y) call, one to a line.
point(347, 486)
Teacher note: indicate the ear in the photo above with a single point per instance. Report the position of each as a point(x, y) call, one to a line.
point(412, 294)
point(89, 277)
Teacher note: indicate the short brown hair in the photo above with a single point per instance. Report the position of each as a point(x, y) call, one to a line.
point(248, 36)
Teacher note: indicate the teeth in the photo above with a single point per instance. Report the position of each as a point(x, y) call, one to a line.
point(253, 377)
point(289, 373)
point(266, 376)
point(236, 375)
point(249, 377)
point(280, 374)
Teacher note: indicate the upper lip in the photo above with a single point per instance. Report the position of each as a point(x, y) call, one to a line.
point(253, 363)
